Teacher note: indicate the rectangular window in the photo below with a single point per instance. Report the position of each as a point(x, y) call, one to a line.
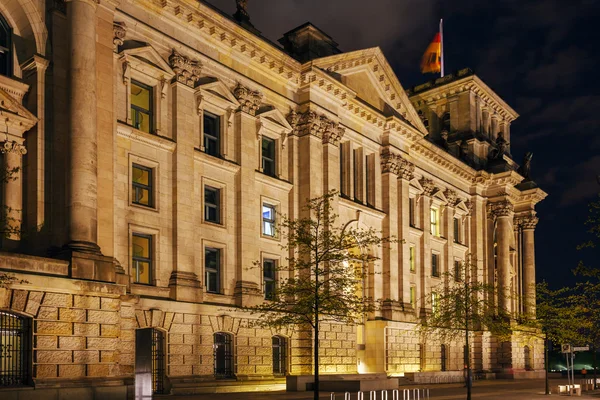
point(457, 271)
point(268, 219)
point(411, 252)
point(434, 222)
point(141, 106)
point(212, 268)
point(357, 182)
point(212, 134)
point(413, 296)
point(435, 268)
point(411, 212)
point(212, 204)
point(141, 260)
point(434, 302)
point(456, 231)
point(141, 181)
point(269, 278)
point(342, 170)
point(370, 179)
point(268, 156)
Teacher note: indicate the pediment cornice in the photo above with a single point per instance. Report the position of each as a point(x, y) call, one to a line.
point(13, 114)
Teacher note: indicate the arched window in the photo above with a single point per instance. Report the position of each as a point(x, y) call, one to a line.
point(279, 355)
point(443, 357)
point(15, 350)
point(223, 354)
point(446, 122)
point(5, 48)
point(528, 361)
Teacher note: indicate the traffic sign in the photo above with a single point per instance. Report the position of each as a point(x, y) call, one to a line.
point(565, 348)
point(581, 348)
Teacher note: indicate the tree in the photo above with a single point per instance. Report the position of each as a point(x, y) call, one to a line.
point(460, 305)
point(325, 277)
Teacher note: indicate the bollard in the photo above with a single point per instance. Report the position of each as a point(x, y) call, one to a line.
point(347, 396)
point(384, 395)
point(332, 396)
point(406, 394)
point(372, 395)
point(395, 394)
point(360, 396)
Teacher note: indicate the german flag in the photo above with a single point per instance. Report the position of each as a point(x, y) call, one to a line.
point(432, 59)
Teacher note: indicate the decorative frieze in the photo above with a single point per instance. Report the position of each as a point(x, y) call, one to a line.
point(119, 32)
point(10, 146)
point(249, 99)
point(428, 186)
point(187, 71)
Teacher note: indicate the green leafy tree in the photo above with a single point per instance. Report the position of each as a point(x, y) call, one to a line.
point(325, 276)
point(460, 305)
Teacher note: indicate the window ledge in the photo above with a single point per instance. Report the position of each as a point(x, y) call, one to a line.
point(279, 183)
point(158, 142)
point(460, 245)
point(362, 207)
point(214, 224)
point(219, 162)
point(439, 239)
point(144, 208)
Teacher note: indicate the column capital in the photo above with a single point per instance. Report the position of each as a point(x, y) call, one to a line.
point(428, 186)
point(503, 208)
point(451, 196)
point(394, 163)
point(10, 146)
point(526, 222)
point(249, 99)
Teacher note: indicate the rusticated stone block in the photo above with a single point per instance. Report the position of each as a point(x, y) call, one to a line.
point(180, 370)
point(103, 317)
point(126, 358)
point(242, 360)
point(57, 300)
point(85, 356)
point(246, 369)
point(190, 359)
point(109, 356)
point(205, 350)
point(203, 369)
point(263, 351)
point(128, 323)
point(347, 329)
point(267, 342)
point(181, 328)
point(254, 360)
point(19, 298)
point(87, 329)
point(127, 334)
point(180, 349)
point(175, 338)
point(98, 370)
point(176, 359)
point(190, 339)
point(45, 371)
point(264, 369)
point(246, 351)
point(336, 328)
point(178, 318)
point(71, 314)
point(110, 304)
point(127, 346)
point(102, 343)
point(53, 357)
point(54, 328)
point(71, 371)
point(33, 302)
point(87, 302)
point(71, 343)
point(109, 330)
point(191, 319)
point(46, 342)
point(203, 329)
point(127, 311)
point(254, 341)
point(47, 313)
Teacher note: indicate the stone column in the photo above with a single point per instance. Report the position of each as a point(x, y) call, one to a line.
point(406, 171)
point(503, 210)
point(83, 174)
point(13, 189)
point(528, 225)
point(428, 189)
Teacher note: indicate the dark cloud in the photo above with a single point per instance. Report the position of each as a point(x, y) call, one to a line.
point(584, 186)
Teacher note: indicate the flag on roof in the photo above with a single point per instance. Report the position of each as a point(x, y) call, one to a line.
point(432, 59)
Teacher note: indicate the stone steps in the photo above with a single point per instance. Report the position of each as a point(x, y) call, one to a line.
point(193, 386)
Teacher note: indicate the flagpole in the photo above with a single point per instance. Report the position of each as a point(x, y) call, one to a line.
point(442, 47)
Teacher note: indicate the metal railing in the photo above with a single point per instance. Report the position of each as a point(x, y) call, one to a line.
point(407, 394)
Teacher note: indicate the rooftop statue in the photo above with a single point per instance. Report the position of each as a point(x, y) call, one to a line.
point(501, 147)
point(525, 167)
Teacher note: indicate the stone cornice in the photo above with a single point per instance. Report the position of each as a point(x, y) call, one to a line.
point(445, 160)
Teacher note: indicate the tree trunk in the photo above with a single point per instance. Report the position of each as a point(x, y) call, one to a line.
point(316, 342)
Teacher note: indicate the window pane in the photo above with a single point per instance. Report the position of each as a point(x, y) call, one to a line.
point(141, 246)
point(212, 282)
point(140, 175)
point(141, 178)
point(212, 134)
point(268, 213)
point(140, 96)
point(268, 156)
point(142, 272)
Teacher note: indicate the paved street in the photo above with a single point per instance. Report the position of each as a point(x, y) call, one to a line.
point(488, 390)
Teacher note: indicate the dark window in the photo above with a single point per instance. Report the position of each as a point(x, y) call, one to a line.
point(15, 350)
point(528, 361)
point(411, 211)
point(268, 218)
point(212, 204)
point(141, 181)
point(357, 182)
point(443, 357)
point(457, 271)
point(141, 246)
point(435, 268)
point(456, 230)
point(212, 267)
point(141, 106)
point(369, 180)
point(268, 156)
point(5, 48)
point(279, 355)
point(342, 170)
point(446, 122)
point(269, 278)
point(212, 134)
point(422, 361)
point(223, 355)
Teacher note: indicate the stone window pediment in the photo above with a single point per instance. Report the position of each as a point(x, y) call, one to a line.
point(147, 60)
point(16, 117)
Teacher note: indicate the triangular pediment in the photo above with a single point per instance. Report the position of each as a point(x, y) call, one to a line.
point(369, 74)
point(14, 113)
point(462, 207)
point(439, 194)
point(147, 54)
point(414, 182)
point(275, 119)
point(217, 89)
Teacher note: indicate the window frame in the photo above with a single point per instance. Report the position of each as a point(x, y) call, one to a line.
point(457, 271)
point(273, 221)
point(273, 160)
point(146, 164)
point(150, 259)
point(152, 109)
point(435, 272)
point(434, 301)
point(149, 187)
point(217, 206)
point(412, 258)
point(218, 139)
point(457, 230)
point(269, 280)
point(434, 226)
point(217, 271)
point(412, 296)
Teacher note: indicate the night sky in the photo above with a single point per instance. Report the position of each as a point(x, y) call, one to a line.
point(540, 56)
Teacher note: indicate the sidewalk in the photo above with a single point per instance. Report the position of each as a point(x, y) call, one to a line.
point(487, 390)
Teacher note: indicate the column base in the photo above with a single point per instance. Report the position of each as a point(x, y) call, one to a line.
point(185, 286)
point(89, 265)
point(81, 246)
point(247, 294)
point(392, 310)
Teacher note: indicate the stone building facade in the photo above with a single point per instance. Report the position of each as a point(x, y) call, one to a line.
point(152, 145)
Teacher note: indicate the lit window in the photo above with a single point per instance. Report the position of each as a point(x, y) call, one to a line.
point(268, 218)
point(5, 48)
point(268, 156)
point(411, 252)
point(456, 230)
point(435, 268)
point(15, 350)
point(212, 134)
point(141, 106)
point(212, 268)
point(434, 222)
point(269, 278)
point(434, 301)
point(141, 181)
point(212, 200)
point(141, 246)
point(413, 296)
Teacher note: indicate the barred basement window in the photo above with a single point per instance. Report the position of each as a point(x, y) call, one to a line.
point(223, 355)
point(15, 350)
point(279, 355)
point(443, 357)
